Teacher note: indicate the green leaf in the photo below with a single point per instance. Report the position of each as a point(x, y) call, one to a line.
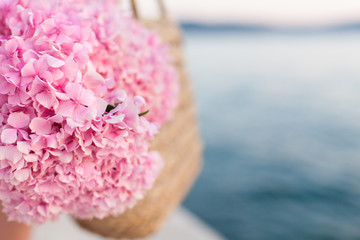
point(110, 107)
point(144, 113)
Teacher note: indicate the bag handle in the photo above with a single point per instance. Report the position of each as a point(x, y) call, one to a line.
point(162, 8)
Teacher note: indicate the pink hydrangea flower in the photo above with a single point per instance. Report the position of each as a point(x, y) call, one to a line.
point(139, 64)
point(61, 64)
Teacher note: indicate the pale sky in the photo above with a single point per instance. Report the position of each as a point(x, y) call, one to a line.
point(270, 12)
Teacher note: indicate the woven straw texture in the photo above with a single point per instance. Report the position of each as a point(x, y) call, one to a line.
point(178, 142)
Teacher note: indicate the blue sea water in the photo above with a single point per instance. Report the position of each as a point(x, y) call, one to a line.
point(280, 115)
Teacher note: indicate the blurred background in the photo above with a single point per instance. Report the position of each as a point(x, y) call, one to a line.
point(277, 84)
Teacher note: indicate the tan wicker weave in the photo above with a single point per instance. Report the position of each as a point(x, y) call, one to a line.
point(179, 144)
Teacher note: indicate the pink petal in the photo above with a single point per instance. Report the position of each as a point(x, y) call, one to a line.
point(2, 153)
point(57, 74)
point(66, 157)
point(19, 165)
point(61, 96)
point(52, 141)
point(24, 134)
point(10, 153)
point(116, 119)
point(61, 38)
point(41, 65)
point(98, 108)
point(92, 79)
point(6, 88)
point(86, 169)
point(48, 25)
point(101, 105)
point(28, 69)
point(139, 101)
point(45, 98)
point(47, 76)
point(14, 99)
point(18, 120)
point(29, 55)
point(48, 187)
point(9, 136)
point(80, 113)
point(54, 62)
point(78, 47)
point(77, 92)
point(37, 86)
point(71, 123)
point(86, 97)
point(73, 89)
point(56, 118)
point(42, 210)
point(22, 175)
point(70, 69)
point(82, 60)
point(23, 147)
point(3, 100)
point(23, 208)
point(54, 209)
point(40, 126)
point(41, 40)
point(11, 45)
point(66, 108)
point(69, 29)
point(13, 77)
point(31, 158)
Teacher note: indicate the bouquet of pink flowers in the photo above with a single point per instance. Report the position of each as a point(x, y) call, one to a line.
point(83, 89)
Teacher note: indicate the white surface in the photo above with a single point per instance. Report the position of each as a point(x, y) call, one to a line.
point(182, 225)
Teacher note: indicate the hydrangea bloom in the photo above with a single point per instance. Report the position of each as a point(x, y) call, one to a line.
point(139, 64)
point(61, 151)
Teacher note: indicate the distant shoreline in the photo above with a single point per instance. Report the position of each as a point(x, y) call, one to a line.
point(203, 27)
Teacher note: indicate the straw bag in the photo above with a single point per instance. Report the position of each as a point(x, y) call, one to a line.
point(179, 144)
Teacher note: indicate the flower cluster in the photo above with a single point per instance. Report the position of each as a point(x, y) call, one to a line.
point(62, 149)
point(141, 65)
